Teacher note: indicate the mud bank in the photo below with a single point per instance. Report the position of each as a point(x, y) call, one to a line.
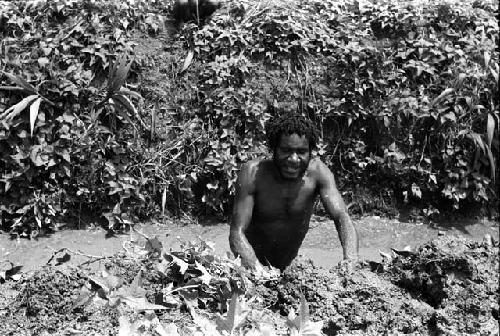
point(446, 287)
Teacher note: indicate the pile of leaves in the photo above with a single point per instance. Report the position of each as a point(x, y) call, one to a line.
point(444, 287)
point(110, 109)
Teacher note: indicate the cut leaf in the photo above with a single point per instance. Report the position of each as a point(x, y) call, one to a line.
point(168, 330)
point(14, 110)
point(130, 93)
point(34, 113)
point(183, 266)
point(135, 289)
point(205, 277)
point(153, 245)
point(236, 315)
point(107, 282)
point(301, 325)
point(404, 253)
point(206, 327)
point(83, 298)
point(140, 304)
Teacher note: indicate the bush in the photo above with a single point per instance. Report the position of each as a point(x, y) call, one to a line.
point(404, 96)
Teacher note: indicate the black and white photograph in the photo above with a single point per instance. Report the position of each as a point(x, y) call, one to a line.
point(249, 168)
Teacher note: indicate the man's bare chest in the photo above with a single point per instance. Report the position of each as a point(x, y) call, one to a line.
point(275, 201)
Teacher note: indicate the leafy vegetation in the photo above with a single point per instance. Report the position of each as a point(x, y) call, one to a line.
point(102, 112)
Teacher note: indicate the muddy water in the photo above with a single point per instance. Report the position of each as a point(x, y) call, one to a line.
point(321, 243)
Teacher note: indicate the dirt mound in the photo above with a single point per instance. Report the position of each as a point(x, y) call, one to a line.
point(459, 278)
point(446, 287)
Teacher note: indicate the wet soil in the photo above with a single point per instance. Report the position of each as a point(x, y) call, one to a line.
point(445, 287)
point(321, 244)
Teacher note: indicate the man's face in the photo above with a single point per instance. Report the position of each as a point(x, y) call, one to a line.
point(292, 156)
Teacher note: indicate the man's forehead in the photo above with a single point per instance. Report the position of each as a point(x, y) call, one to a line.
point(294, 139)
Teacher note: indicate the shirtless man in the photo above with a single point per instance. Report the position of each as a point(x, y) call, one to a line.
point(275, 198)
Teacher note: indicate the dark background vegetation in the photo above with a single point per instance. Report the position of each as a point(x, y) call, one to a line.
point(108, 109)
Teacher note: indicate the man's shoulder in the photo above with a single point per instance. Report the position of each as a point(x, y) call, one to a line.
point(254, 168)
point(255, 164)
point(319, 170)
point(317, 165)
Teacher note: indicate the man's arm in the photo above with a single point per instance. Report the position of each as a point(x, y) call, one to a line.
point(335, 207)
point(242, 216)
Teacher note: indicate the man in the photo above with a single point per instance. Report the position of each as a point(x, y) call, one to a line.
point(275, 198)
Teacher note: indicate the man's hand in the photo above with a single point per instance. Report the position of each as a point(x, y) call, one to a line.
point(266, 273)
point(347, 266)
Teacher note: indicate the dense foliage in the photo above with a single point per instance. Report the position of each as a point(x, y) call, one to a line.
point(405, 96)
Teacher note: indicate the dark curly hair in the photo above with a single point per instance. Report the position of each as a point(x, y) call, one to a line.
point(290, 123)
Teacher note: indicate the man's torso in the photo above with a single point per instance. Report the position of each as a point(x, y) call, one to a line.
point(281, 213)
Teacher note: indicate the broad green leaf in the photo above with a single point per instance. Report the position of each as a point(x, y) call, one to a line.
point(5, 267)
point(304, 310)
point(311, 329)
point(487, 58)
point(125, 102)
point(21, 82)
point(187, 61)
point(262, 330)
point(491, 160)
point(415, 190)
point(137, 282)
point(460, 81)
point(125, 327)
point(443, 95)
point(148, 321)
point(119, 73)
point(494, 73)
point(450, 116)
point(34, 113)
point(163, 201)
point(167, 296)
point(490, 128)
point(477, 140)
point(43, 61)
point(35, 155)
